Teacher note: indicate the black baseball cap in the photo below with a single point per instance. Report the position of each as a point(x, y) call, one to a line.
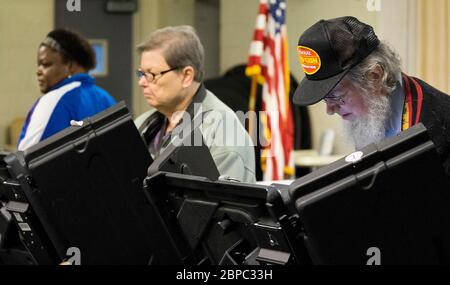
point(327, 51)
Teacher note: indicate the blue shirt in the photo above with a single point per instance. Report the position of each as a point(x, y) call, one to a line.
point(74, 98)
point(397, 100)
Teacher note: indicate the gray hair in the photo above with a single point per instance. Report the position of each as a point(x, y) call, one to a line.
point(181, 47)
point(387, 59)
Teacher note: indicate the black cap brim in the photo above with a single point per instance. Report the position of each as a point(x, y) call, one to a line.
point(310, 91)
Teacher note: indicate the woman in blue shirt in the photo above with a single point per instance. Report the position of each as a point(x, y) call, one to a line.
point(63, 60)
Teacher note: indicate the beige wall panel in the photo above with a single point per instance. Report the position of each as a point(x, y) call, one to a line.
point(23, 25)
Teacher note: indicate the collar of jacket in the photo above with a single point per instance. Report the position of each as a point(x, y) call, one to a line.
point(81, 77)
point(412, 108)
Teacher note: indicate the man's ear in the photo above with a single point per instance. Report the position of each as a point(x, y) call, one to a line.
point(375, 75)
point(188, 76)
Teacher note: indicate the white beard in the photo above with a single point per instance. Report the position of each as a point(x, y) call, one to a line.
point(371, 128)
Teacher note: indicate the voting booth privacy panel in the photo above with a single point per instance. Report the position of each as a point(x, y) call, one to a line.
point(223, 222)
point(391, 200)
point(87, 188)
point(82, 189)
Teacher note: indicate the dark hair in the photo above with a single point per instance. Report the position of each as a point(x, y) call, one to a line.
point(72, 47)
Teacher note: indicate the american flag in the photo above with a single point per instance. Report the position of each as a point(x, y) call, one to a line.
point(268, 65)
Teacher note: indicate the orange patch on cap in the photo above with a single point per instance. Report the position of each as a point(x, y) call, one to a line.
point(309, 59)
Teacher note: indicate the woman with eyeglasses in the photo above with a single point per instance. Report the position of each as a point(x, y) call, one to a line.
point(63, 61)
point(171, 78)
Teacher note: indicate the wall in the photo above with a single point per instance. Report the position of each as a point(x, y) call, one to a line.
point(23, 25)
point(207, 24)
point(396, 24)
point(433, 41)
point(93, 22)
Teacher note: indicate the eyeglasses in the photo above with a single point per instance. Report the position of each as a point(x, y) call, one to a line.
point(150, 76)
point(337, 100)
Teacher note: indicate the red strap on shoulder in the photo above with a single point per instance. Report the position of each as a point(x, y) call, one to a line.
point(419, 99)
point(408, 99)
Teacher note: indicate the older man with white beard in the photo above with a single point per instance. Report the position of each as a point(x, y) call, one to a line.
point(360, 79)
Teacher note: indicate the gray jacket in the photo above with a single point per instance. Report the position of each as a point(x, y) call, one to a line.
point(229, 143)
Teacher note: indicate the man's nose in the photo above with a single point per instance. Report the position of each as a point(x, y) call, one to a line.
point(331, 108)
